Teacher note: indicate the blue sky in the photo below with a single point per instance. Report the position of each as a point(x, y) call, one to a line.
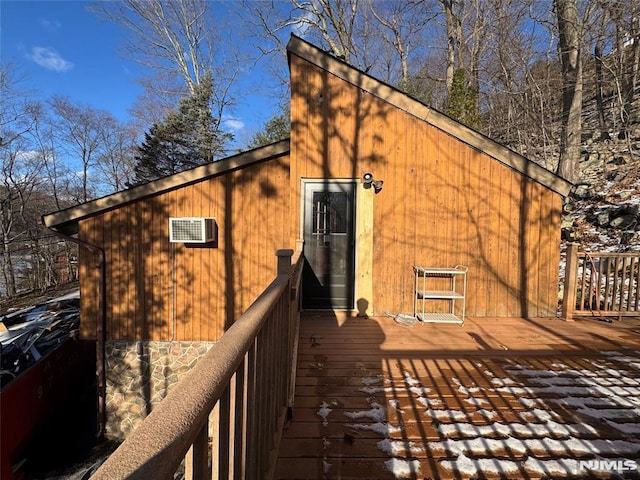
point(58, 47)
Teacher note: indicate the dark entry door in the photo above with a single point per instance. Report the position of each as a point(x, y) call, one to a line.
point(328, 276)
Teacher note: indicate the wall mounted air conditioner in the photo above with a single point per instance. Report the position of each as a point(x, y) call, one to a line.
point(192, 230)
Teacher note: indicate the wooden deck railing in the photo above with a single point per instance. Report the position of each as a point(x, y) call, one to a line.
point(601, 284)
point(224, 419)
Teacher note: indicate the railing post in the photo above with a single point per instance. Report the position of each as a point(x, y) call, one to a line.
point(284, 260)
point(197, 461)
point(570, 279)
point(294, 332)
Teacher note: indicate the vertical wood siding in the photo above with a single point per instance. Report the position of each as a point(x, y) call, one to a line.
point(443, 202)
point(162, 291)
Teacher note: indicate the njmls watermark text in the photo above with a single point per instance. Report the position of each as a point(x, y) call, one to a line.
point(618, 465)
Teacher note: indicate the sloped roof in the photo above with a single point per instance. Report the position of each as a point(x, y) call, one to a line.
point(395, 97)
point(67, 220)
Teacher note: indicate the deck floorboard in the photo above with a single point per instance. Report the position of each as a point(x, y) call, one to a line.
point(494, 398)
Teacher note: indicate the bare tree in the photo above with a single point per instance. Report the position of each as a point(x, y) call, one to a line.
point(268, 29)
point(53, 260)
point(30, 184)
point(601, 36)
point(517, 73)
point(80, 131)
point(21, 170)
point(102, 144)
point(335, 21)
point(16, 107)
point(381, 38)
point(401, 25)
point(625, 15)
point(7, 223)
point(116, 162)
point(569, 49)
point(332, 24)
point(172, 37)
point(180, 42)
point(18, 170)
point(56, 172)
point(461, 39)
point(452, 12)
point(153, 104)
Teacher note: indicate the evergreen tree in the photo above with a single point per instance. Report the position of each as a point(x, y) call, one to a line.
point(163, 152)
point(463, 101)
point(276, 129)
point(188, 137)
point(199, 128)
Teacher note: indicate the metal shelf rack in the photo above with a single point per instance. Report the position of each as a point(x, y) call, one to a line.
point(455, 294)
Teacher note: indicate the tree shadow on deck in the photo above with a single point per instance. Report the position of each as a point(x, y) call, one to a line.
point(379, 400)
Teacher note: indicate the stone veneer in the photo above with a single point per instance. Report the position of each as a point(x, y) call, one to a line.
point(140, 375)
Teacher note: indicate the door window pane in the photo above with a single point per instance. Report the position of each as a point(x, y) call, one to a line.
point(329, 212)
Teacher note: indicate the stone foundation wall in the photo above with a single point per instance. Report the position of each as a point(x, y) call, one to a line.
point(140, 375)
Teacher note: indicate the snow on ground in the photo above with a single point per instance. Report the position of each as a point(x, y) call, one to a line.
point(573, 415)
point(325, 410)
point(377, 413)
point(403, 468)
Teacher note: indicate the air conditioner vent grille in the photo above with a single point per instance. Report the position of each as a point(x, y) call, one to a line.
point(191, 230)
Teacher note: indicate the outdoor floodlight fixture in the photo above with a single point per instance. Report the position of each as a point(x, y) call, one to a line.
point(368, 181)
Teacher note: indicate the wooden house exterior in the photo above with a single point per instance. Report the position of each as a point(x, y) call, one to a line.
point(450, 196)
point(163, 291)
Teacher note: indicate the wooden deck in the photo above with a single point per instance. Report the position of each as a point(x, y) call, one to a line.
point(495, 398)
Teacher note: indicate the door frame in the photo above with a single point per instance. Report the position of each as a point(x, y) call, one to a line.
point(354, 225)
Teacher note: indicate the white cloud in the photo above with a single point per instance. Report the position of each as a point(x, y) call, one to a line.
point(50, 59)
point(233, 124)
point(51, 25)
point(27, 155)
point(302, 25)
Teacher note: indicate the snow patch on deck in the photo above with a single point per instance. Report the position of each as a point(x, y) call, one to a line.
point(591, 395)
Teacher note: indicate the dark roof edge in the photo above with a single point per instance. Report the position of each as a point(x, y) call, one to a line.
point(64, 219)
point(356, 77)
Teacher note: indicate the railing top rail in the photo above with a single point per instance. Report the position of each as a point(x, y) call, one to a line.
point(583, 254)
point(158, 445)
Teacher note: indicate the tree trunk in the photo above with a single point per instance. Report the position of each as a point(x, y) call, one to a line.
point(598, 57)
point(452, 40)
point(571, 63)
point(7, 271)
point(630, 63)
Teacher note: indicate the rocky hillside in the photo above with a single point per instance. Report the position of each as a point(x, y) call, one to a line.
point(603, 211)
